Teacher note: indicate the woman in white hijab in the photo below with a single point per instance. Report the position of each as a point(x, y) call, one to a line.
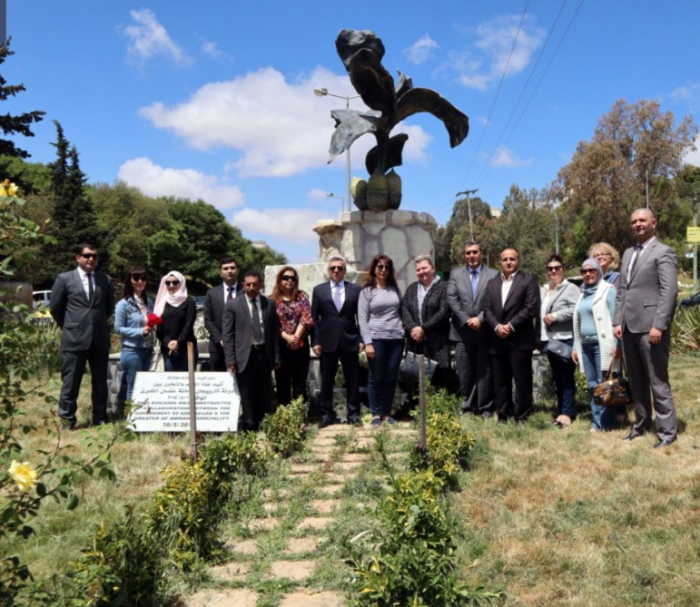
point(178, 313)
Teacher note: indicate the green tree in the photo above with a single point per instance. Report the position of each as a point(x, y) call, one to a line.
point(9, 124)
point(635, 153)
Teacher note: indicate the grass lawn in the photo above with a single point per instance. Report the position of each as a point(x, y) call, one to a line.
point(570, 517)
point(553, 517)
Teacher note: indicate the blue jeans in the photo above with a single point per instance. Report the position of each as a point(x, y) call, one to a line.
point(603, 417)
point(563, 375)
point(134, 360)
point(383, 373)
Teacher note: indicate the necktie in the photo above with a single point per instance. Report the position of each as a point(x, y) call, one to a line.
point(635, 255)
point(91, 289)
point(475, 278)
point(257, 329)
point(229, 297)
point(337, 300)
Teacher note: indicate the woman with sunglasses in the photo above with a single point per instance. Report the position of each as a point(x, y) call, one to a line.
point(178, 313)
point(379, 315)
point(130, 321)
point(594, 342)
point(556, 336)
point(294, 312)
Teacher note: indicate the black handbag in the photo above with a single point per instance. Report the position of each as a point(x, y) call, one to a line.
point(559, 349)
point(614, 390)
point(409, 372)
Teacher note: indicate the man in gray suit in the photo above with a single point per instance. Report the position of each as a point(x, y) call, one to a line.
point(214, 303)
point(465, 294)
point(646, 301)
point(251, 345)
point(82, 301)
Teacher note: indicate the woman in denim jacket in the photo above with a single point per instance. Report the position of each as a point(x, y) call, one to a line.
point(130, 321)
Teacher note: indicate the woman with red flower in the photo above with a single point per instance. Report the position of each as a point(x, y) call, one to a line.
point(131, 321)
point(295, 321)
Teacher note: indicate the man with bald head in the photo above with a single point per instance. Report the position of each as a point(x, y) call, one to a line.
point(646, 301)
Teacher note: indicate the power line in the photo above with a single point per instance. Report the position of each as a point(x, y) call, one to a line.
point(498, 90)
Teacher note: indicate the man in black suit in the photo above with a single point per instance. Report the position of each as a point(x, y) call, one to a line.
point(511, 304)
point(336, 338)
point(465, 296)
point(214, 304)
point(82, 301)
point(251, 347)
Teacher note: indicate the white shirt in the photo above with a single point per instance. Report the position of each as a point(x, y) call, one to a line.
point(338, 285)
point(233, 293)
point(84, 279)
point(506, 284)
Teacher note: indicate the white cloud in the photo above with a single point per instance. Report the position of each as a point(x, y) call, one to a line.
point(688, 95)
point(693, 156)
point(279, 127)
point(212, 50)
point(287, 225)
point(421, 50)
point(154, 180)
point(506, 158)
point(148, 38)
point(481, 67)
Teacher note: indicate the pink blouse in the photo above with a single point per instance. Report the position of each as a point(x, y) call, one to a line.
point(293, 313)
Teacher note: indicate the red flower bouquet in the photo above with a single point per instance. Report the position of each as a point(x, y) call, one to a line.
point(153, 320)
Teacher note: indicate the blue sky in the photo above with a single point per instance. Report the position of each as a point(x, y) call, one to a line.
point(215, 99)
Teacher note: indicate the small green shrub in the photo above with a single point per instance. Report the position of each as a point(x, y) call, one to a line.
point(685, 330)
point(235, 454)
point(285, 429)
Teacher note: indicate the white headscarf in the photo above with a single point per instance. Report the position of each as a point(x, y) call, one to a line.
point(164, 297)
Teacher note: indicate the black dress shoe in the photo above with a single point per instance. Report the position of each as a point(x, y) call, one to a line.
point(664, 443)
point(486, 415)
point(355, 422)
point(632, 435)
point(324, 423)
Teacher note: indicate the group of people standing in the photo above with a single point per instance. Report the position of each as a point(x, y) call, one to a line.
point(493, 320)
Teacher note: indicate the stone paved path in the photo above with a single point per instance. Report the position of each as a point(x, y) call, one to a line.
point(288, 545)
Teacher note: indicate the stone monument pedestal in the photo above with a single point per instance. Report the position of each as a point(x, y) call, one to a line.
point(358, 237)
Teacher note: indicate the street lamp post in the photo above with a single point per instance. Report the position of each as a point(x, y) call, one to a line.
point(323, 92)
point(342, 201)
point(469, 208)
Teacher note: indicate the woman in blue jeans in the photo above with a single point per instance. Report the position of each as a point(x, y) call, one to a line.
point(131, 322)
point(379, 314)
point(594, 343)
point(558, 300)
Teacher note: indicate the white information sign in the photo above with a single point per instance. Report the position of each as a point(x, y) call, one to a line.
point(161, 402)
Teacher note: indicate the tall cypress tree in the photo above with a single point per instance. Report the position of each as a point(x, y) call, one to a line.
point(14, 124)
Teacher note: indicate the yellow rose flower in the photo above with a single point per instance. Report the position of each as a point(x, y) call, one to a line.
point(23, 474)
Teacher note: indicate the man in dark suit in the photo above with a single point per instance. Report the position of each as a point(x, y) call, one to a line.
point(465, 296)
point(646, 302)
point(511, 305)
point(336, 338)
point(214, 304)
point(82, 301)
point(251, 347)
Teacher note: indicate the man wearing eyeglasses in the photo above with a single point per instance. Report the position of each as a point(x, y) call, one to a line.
point(465, 296)
point(214, 304)
point(511, 305)
point(336, 338)
point(82, 301)
point(644, 308)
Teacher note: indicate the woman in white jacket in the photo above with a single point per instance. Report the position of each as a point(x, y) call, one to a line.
point(594, 343)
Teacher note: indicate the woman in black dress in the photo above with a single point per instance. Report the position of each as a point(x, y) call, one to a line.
point(178, 313)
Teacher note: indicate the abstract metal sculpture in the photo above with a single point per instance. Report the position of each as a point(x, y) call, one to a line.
point(361, 52)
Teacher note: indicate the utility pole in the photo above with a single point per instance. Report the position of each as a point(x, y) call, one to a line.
point(695, 252)
point(469, 208)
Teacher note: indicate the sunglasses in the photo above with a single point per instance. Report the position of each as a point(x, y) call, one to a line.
point(172, 283)
point(591, 271)
point(89, 255)
point(381, 266)
point(553, 268)
point(288, 278)
point(139, 278)
point(336, 268)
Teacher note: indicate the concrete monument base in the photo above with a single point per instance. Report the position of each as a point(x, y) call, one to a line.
point(358, 237)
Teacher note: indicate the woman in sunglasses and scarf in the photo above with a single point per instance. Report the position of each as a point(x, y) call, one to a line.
point(178, 313)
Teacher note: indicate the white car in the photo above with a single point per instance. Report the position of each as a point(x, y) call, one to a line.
point(41, 298)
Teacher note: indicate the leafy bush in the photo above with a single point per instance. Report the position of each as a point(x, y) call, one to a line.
point(285, 429)
point(235, 454)
point(685, 330)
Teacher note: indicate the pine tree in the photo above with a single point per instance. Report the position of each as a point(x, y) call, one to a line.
point(14, 124)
